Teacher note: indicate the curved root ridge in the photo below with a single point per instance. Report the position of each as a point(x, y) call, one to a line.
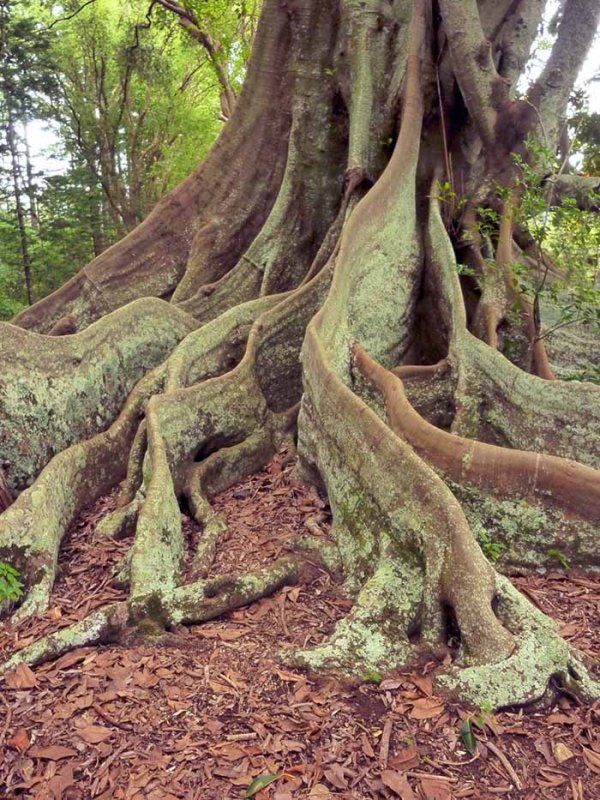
point(100, 626)
point(375, 635)
point(541, 656)
point(153, 612)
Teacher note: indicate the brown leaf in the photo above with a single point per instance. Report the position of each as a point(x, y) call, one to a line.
point(561, 719)
point(93, 734)
point(62, 781)
point(19, 740)
point(398, 784)
point(551, 778)
point(592, 760)
point(71, 658)
point(319, 792)
point(426, 708)
point(335, 776)
point(366, 746)
point(21, 678)
point(389, 684)
point(53, 753)
point(434, 789)
point(231, 634)
point(406, 759)
point(424, 683)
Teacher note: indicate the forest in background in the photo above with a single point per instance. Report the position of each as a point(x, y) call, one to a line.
point(132, 92)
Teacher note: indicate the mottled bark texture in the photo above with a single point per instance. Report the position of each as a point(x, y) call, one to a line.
point(302, 285)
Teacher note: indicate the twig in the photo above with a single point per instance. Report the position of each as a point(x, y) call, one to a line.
point(506, 763)
point(384, 749)
point(7, 721)
point(70, 16)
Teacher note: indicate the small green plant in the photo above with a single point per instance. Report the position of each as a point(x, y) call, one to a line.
point(467, 735)
point(372, 676)
point(559, 556)
point(493, 550)
point(11, 587)
point(485, 712)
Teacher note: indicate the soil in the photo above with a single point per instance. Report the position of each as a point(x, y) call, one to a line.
point(210, 709)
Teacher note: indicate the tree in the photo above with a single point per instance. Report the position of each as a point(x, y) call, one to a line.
point(25, 74)
point(127, 96)
point(303, 282)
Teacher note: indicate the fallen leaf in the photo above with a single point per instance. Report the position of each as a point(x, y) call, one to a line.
point(319, 792)
point(389, 684)
point(424, 683)
point(93, 734)
point(592, 759)
point(19, 740)
point(398, 784)
point(260, 783)
point(62, 781)
point(434, 789)
point(426, 708)
point(406, 759)
point(21, 678)
point(52, 753)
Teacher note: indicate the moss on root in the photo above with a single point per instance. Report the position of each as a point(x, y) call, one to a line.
point(371, 288)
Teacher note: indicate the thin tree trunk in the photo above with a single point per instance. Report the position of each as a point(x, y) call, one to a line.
point(20, 211)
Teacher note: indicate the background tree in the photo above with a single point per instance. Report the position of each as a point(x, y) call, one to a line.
point(26, 75)
point(302, 282)
point(133, 103)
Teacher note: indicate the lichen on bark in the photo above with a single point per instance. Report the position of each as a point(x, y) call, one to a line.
point(311, 294)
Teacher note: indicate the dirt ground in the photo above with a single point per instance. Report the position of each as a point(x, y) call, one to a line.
point(213, 707)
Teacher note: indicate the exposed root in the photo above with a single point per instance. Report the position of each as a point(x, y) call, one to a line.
point(120, 523)
point(56, 391)
point(72, 480)
point(100, 627)
point(208, 599)
point(375, 634)
point(545, 478)
point(152, 613)
point(215, 474)
point(541, 657)
point(6, 497)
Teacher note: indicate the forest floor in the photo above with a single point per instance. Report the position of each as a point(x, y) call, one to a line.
point(213, 707)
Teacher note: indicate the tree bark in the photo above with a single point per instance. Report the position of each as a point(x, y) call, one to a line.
point(311, 294)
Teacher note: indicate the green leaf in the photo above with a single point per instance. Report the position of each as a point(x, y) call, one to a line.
point(260, 783)
point(468, 737)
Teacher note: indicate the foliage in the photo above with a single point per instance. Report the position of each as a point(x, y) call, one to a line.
point(566, 240)
point(570, 236)
point(11, 587)
point(133, 104)
point(559, 556)
point(492, 550)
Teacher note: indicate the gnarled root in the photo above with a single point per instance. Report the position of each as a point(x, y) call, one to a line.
point(151, 614)
point(541, 657)
point(30, 540)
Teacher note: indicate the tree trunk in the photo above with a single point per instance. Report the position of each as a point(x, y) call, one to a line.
point(11, 138)
point(310, 292)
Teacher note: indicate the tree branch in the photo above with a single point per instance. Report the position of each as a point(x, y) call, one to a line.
point(583, 189)
point(73, 14)
point(482, 88)
point(550, 93)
